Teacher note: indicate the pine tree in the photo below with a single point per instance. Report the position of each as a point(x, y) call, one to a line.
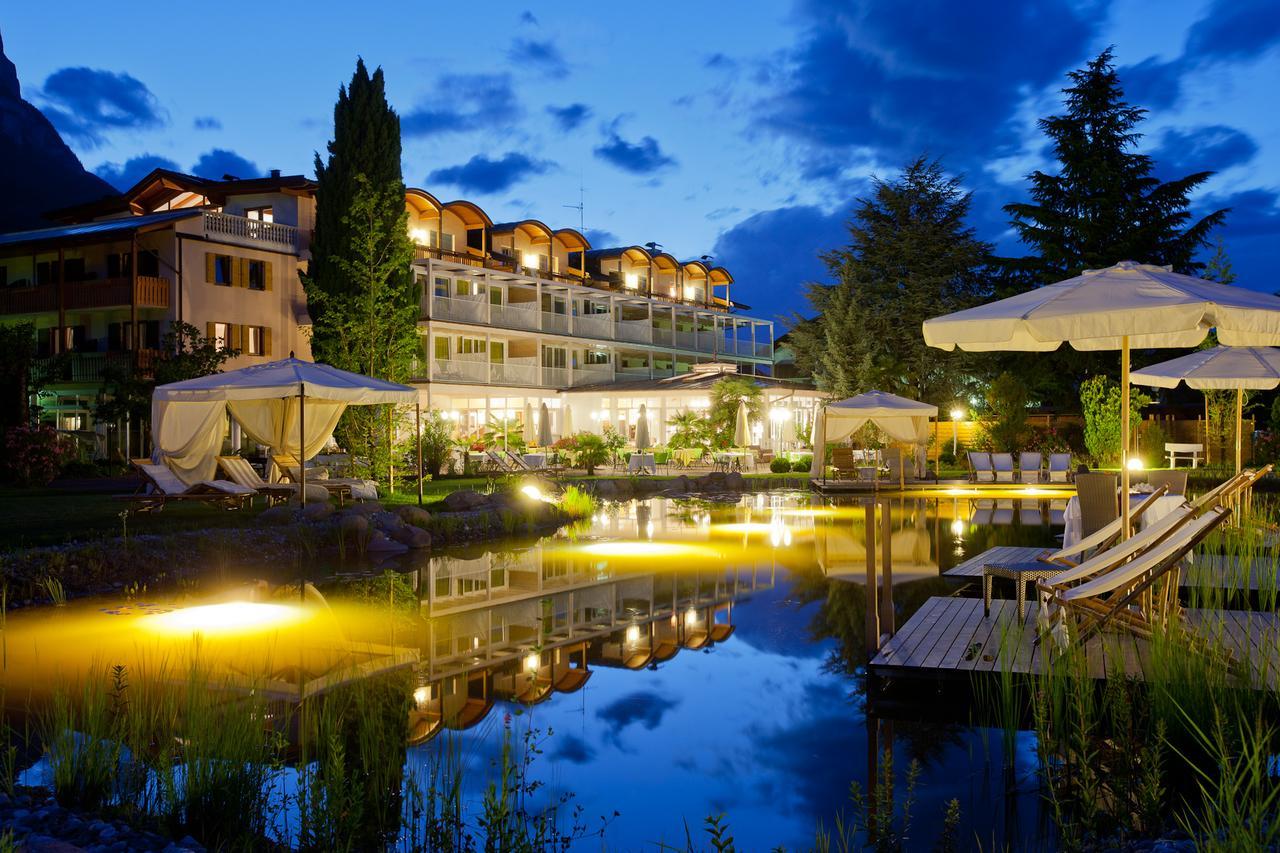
point(910, 257)
point(1105, 205)
point(361, 293)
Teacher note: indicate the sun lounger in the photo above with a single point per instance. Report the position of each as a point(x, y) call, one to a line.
point(339, 487)
point(1059, 467)
point(520, 464)
point(980, 470)
point(1029, 464)
point(1174, 481)
point(240, 472)
point(161, 486)
point(1002, 465)
point(500, 463)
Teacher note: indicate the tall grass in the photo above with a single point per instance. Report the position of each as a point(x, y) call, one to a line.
point(576, 503)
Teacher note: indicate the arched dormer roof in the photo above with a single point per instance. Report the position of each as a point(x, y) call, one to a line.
point(719, 275)
point(635, 254)
point(421, 202)
point(573, 240)
point(470, 213)
point(665, 262)
point(536, 230)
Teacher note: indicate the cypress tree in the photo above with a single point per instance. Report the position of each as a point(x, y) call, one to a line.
point(1105, 205)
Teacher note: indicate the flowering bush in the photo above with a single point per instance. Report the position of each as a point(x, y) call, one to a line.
point(35, 455)
point(1047, 440)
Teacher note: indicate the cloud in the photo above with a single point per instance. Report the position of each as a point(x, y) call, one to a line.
point(124, 175)
point(83, 103)
point(484, 175)
point(600, 238)
point(774, 254)
point(469, 102)
point(527, 17)
point(1235, 29)
point(1152, 83)
point(207, 123)
point(217, 162)
point(643, 707)
point(570, 117)
point(542, 55)
point(1208, 148)
point(720, 61)
point(573, 749)
point(943, 76)
point(639, 158)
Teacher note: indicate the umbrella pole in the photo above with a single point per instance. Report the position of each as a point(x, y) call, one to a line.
point(302, 444)
point(1124, 437)
point(1239, 423)
point(417, 417)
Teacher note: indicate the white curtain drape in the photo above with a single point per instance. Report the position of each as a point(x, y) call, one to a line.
point(274, 423)
point(901, 419)
point(188, 436)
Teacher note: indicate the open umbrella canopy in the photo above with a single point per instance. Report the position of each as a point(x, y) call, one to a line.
point(642, 430)
point(902, 419)
point(1151, 305)
point(286, 378)
point(1220, 368)
point(742, 426)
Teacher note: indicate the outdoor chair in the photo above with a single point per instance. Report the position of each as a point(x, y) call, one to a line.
point(895, 467)
point(843, 461)
point(161, 485)
point(1099, 505)
point(499, 463)
point(980, 470)
point(1175, 482)
point(340, 487)
point(520, 464)
point(1029, 467)
point(240, 472)
point(1002, 465)
point(1059, 467)
point(1132, 597)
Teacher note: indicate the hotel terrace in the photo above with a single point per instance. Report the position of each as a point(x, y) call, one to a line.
point(513, 315)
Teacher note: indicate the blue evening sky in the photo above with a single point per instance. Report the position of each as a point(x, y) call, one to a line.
point(738, 130)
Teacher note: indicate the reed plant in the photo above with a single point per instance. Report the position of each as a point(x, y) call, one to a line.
point(576, 503)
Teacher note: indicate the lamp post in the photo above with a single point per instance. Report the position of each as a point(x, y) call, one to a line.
point(957, 415)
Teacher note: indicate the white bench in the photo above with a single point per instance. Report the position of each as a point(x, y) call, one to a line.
point(1174, 452)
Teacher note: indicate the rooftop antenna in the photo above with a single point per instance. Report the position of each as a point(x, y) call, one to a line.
point(653, 247)
point(580, 207)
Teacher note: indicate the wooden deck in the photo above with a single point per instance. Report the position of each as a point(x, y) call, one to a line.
point(949, 637)
point(949, 488)
point(1214, 571)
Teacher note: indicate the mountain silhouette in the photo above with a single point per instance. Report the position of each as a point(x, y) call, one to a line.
point(38, 172)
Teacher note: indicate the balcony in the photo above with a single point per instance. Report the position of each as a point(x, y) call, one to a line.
point(254, 233)
point(636, 331)
point(514, 316)
point(555, 323)
point(460, 370)
point(522, 372)
point(148, 292)
point(592, 374)
point(556, 377)
point(92, 367)
point(466, 310)
point(593, 326)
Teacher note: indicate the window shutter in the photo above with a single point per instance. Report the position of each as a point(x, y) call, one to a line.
point(266, 340)
point(233, 332)
point(209, 331)
point(240, 274)
point(266, 276)
point(210, 262)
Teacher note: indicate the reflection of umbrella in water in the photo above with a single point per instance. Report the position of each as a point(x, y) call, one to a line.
point(841, 547)
point(642, 430)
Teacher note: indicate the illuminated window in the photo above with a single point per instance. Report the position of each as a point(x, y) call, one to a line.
point(222, 335)
point(260, 214)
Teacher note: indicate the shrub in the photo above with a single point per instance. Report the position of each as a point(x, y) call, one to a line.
point(1100, 400)
point(34, 456)
point(437, 441)
point(1046, 440)
point(802, 464)
point(576, 503)
point(1007, 407)
point(781, 465)
point(592, 452)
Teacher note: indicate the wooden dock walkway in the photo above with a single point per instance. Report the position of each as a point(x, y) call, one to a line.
point(1214, 571)
point(949, 637)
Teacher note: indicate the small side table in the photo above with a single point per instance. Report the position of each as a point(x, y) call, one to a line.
point(1021, 574)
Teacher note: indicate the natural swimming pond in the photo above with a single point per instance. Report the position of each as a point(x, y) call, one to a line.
point(675, 659)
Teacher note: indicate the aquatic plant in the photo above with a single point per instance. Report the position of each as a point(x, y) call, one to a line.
point(576, 503)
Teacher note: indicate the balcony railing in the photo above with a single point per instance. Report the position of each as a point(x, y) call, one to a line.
point(556, 323)
point(458, 370)
point(686, 340)
point(556, 377)
point(250, 232)
point(149, 292)
point(592, 374)
point(661, 337)
point(468, 310)
point(637, 331)
point(513, 316)
point(514, 373)
point(92, 367)
point(593, 326)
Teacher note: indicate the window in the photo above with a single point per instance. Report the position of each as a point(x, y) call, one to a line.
point(73, 269)
point(257, 277)
point(218, 269)
point(495, 295)
point(554, 357)
point(471, 346)
point(446, 242)
point(554, 304)
point(595, 356)
point(442, 349)
point(119, 265)
point(221, 335)
point(4, 276)
point(442, 287)
point(254, 340)
point(260, 214)
point(467, 287)
point(149, 262)
point(497, 351)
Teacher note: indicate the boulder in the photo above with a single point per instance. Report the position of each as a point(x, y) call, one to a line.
point(463, 500)
point(315, 494)
point(735, 481)
point(386, 521)
point(417, 516)
point(362, 508)
point(606, 489)
point(279, 514)
point(379, 542)
point(353, 528)
point(411, 536)
point(317, 511)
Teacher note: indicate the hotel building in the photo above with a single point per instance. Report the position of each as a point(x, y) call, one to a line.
point(514, 315)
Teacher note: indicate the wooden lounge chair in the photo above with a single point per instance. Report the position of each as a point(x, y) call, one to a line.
point(1002, 466)
point(239, 471)
point(1134, 596)
point(291, 470)
point(1099, 505)
point(843, 461)
point(980, 470)
point(1175, 482)
point(520, 465)
point(161, 485)
point(1029, 464)
point(1059, 467)
point(500, 463)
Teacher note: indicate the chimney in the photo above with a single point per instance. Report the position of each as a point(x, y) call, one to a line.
point(275, 173)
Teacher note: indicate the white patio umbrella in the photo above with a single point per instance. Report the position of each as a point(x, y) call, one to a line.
point(642, 430)
point(527, 430)
point(787, 432)
point(544, 426)
point(566, 420)
point(742, 426)
point(1218, 369)
point(1129, 305)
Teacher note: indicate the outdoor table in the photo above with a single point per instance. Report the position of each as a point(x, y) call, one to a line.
point(640, 463)
point(1021, 573)
point(685, 457)
point(535, 460)
point(868, 474)
point(1164, 505)
point(731, 460)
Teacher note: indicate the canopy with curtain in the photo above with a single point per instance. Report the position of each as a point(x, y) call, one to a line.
point(901, 419)
point(268, 401)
